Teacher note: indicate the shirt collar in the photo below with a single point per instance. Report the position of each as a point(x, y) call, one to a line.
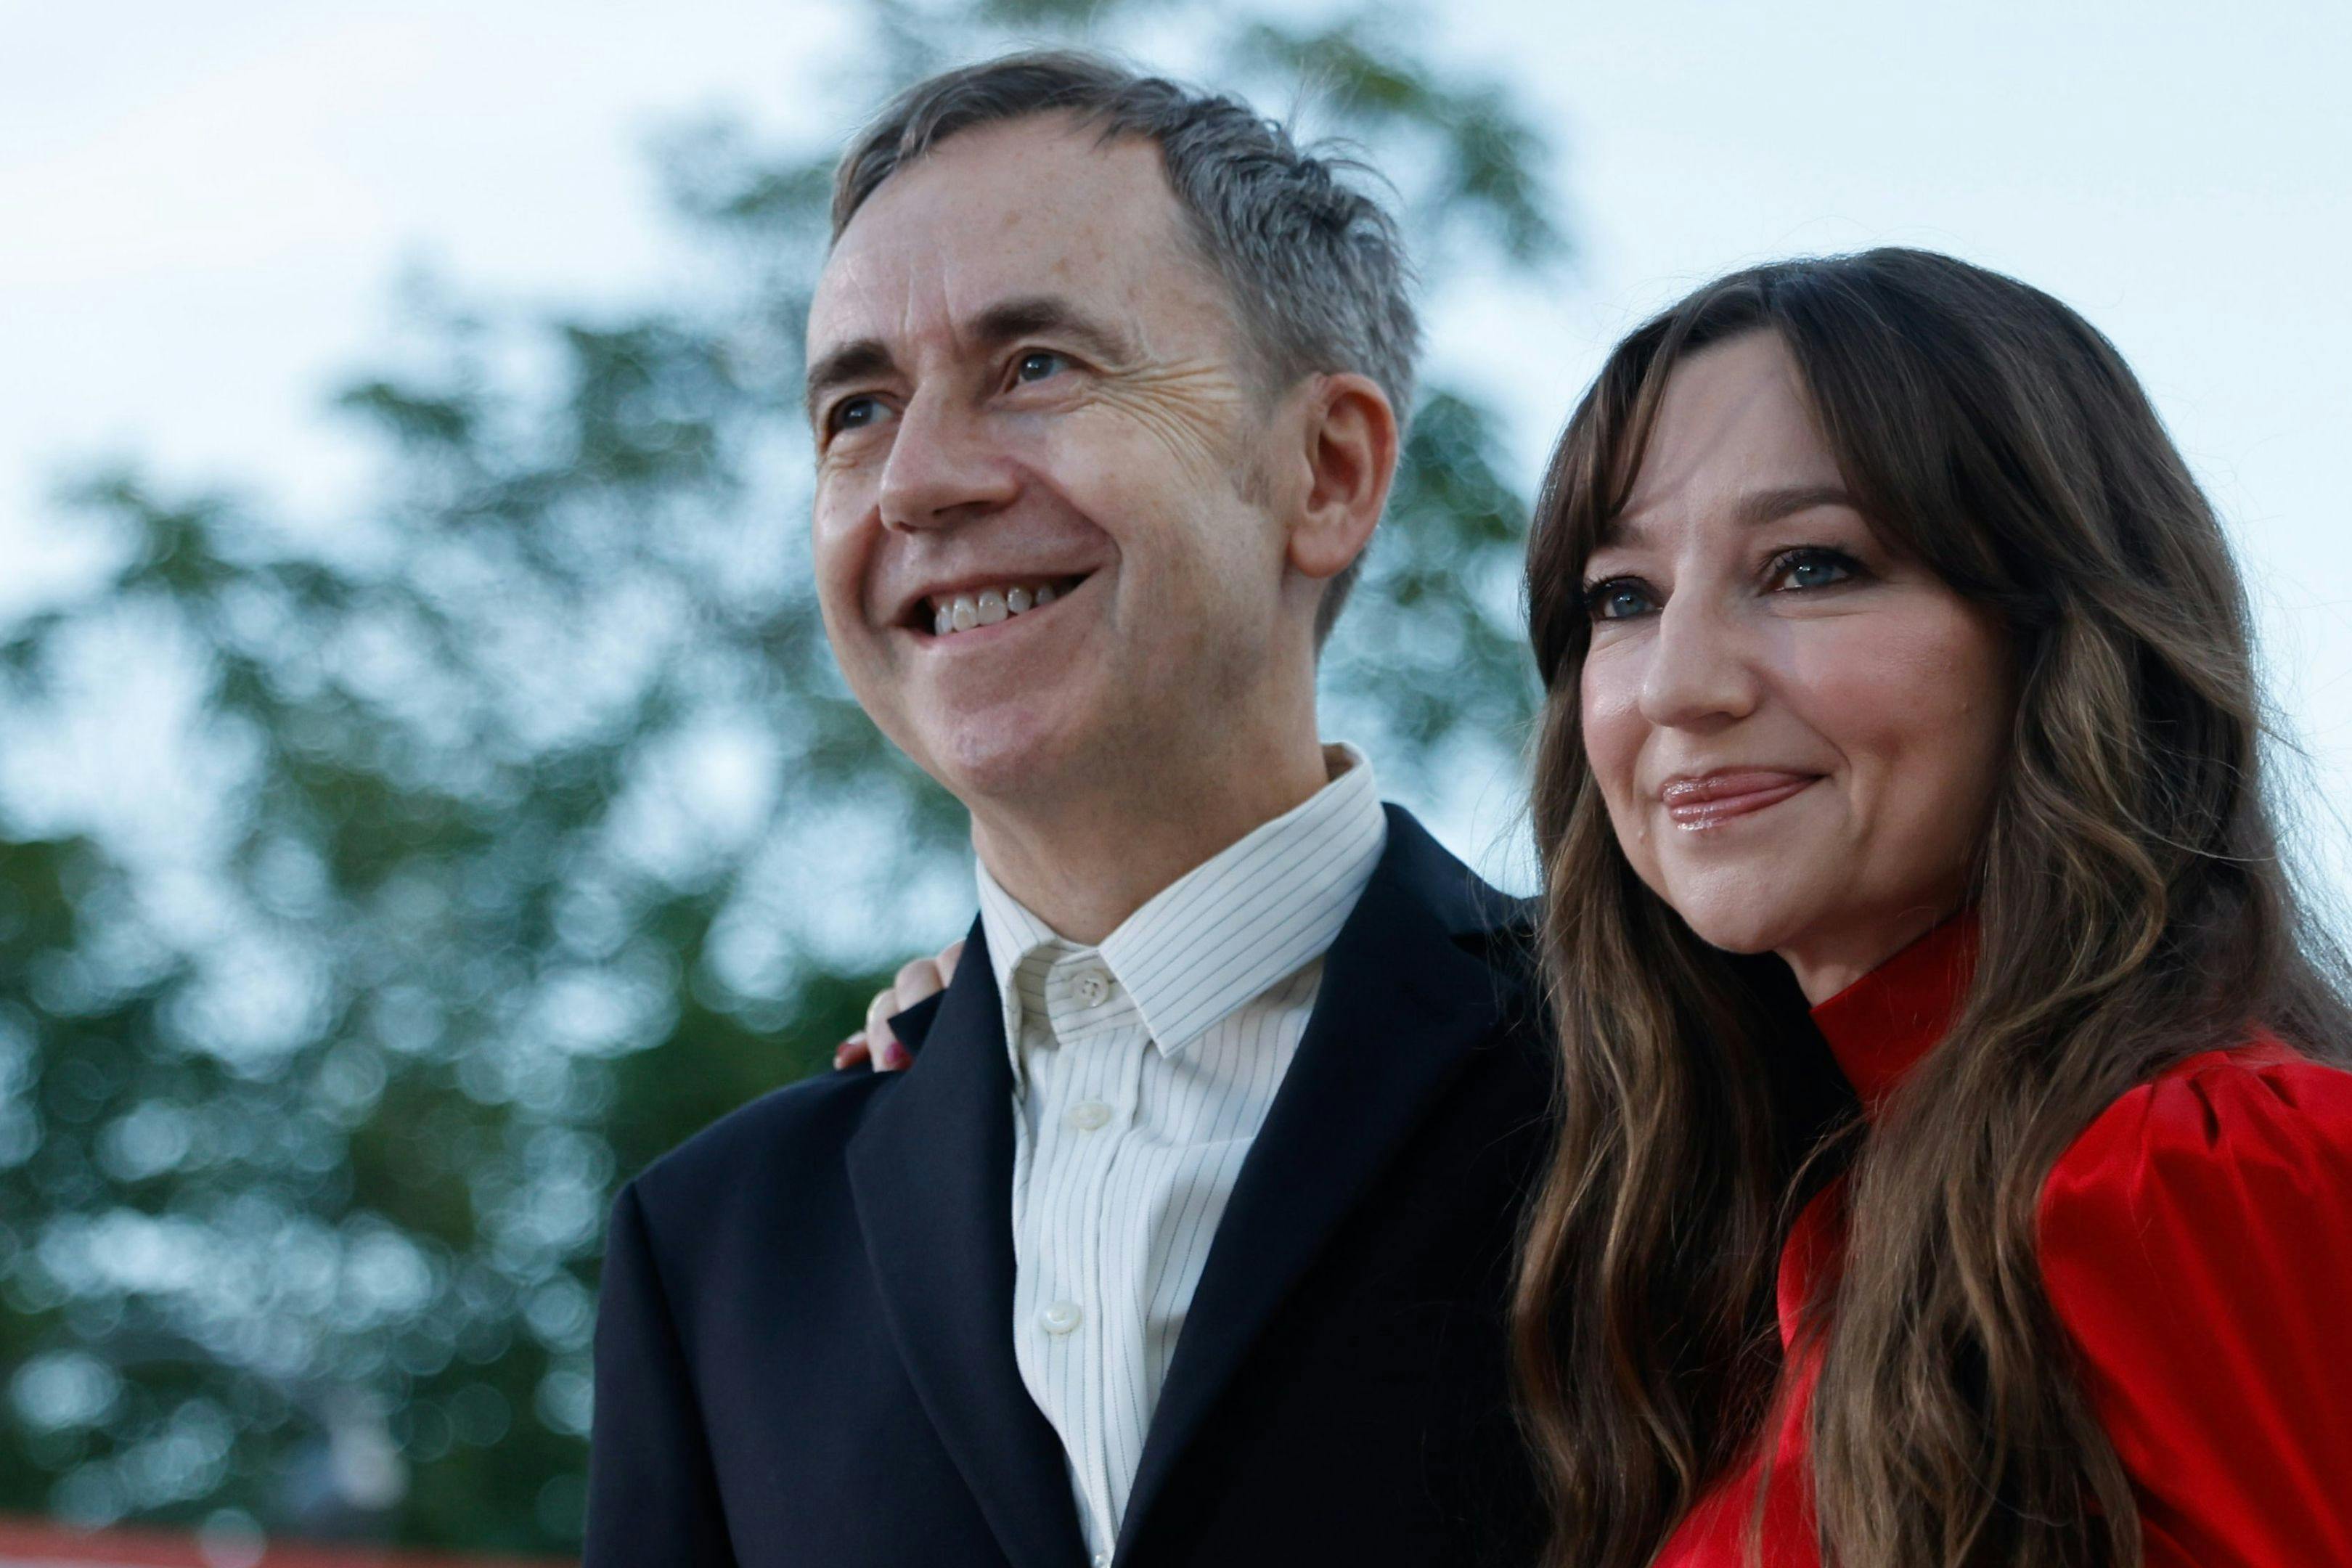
point(1261, 907)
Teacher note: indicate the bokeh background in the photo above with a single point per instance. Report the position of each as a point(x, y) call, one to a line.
point(424, 793)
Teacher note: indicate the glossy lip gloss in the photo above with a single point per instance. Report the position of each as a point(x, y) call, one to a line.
point(1706, 800)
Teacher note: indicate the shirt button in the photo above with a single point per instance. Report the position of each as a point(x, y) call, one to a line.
point(1094, 986)
point(1102, 1559)
point(1088, 1115)
point(1060, 1317)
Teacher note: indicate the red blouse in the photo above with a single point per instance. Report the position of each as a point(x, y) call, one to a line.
point(2196, 1243)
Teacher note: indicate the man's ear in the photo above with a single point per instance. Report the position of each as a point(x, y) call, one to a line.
point(1351, 456)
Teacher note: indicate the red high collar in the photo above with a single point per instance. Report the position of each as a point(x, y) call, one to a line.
point(1881, 1026)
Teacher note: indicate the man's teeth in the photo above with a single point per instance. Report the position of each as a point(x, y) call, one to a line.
point(987, 607)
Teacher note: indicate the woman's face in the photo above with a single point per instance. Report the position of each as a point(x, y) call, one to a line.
point(1797, 730)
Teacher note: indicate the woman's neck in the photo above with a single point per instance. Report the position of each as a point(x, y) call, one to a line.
point(1829, 962)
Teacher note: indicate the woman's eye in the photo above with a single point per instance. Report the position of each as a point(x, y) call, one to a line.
point(1812, 567)
point(1618, 599)
point(1037, 365)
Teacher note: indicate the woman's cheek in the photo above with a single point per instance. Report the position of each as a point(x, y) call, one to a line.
point(1615, 732)
point(1866, 681)
point(1913, 700)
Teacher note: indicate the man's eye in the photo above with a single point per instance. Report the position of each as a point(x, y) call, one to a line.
point(1037, 365)
point(1618, 599)
point(1812, 567)
point(853, 413)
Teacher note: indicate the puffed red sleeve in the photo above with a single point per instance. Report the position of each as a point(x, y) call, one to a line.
point(2197, 1245)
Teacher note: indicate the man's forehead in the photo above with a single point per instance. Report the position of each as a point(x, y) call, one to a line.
point(1038, 170)
point(1033, 205)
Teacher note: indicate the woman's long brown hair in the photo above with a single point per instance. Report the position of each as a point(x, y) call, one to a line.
point(2133, 909)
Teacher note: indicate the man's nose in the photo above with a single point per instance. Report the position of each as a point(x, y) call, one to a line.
point(1702, 670)
point(942, 469)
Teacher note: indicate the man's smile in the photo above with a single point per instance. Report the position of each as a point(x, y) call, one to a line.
point(950, 611)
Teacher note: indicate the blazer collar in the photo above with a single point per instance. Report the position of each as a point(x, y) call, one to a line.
point(1410, 989)
point(1408, 993)
point(930, 1173)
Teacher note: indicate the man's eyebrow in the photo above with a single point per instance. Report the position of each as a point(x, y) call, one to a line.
point(861, 359)
point(1035, 315)
point(1007, 322)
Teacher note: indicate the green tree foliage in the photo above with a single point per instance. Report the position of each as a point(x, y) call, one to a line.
point(373, 902)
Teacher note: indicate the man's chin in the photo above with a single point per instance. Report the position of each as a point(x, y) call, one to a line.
point(1008, 760)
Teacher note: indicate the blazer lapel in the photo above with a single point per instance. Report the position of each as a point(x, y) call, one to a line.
point(1401, 1005)
point(931, 1175)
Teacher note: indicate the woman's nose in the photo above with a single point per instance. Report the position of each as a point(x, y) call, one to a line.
point(1702, 666)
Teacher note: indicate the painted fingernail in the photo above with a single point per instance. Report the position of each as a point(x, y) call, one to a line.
point(895, 1057)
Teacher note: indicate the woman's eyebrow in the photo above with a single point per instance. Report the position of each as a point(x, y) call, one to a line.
point(1619, 529)
point(1753, 510)
point(1759, 507)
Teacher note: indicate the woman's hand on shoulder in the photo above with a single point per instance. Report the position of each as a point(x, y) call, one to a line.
point(875, 1046)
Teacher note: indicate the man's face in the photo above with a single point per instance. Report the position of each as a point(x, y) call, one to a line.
point(1030, 421)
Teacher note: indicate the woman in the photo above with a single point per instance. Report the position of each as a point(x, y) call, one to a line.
point(1885, 634)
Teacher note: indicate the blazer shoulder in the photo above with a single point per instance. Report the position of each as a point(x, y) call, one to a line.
point(786, 1135)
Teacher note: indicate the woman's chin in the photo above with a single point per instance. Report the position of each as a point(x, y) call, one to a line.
point(1737, 926)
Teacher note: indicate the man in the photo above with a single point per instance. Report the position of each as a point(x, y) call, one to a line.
point(1186, 1237)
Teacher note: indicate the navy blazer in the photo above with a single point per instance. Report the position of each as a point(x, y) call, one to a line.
point(804, 1349)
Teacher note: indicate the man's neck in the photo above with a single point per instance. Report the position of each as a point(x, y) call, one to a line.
point(1087, 866)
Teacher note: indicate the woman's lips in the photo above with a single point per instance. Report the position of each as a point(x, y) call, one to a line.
point(1708, 799)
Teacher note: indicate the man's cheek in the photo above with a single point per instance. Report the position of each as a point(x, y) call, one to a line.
point(1132, 447)
point(842, 558)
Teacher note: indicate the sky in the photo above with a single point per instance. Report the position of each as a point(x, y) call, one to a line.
point(207, 215)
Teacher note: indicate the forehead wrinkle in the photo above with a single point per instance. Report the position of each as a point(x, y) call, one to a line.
point(885, 311)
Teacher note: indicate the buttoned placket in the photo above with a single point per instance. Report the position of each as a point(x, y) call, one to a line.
point(1083, 1119)
point(1227, 960)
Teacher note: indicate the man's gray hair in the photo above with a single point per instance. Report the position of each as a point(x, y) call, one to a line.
point(1316, 266)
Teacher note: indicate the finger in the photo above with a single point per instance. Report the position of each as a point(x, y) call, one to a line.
point(851, 1052)
point(916, 980)
point(877, 1018)
point(949, 956)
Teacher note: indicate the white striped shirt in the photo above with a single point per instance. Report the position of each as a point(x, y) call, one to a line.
point(1142, 1070)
